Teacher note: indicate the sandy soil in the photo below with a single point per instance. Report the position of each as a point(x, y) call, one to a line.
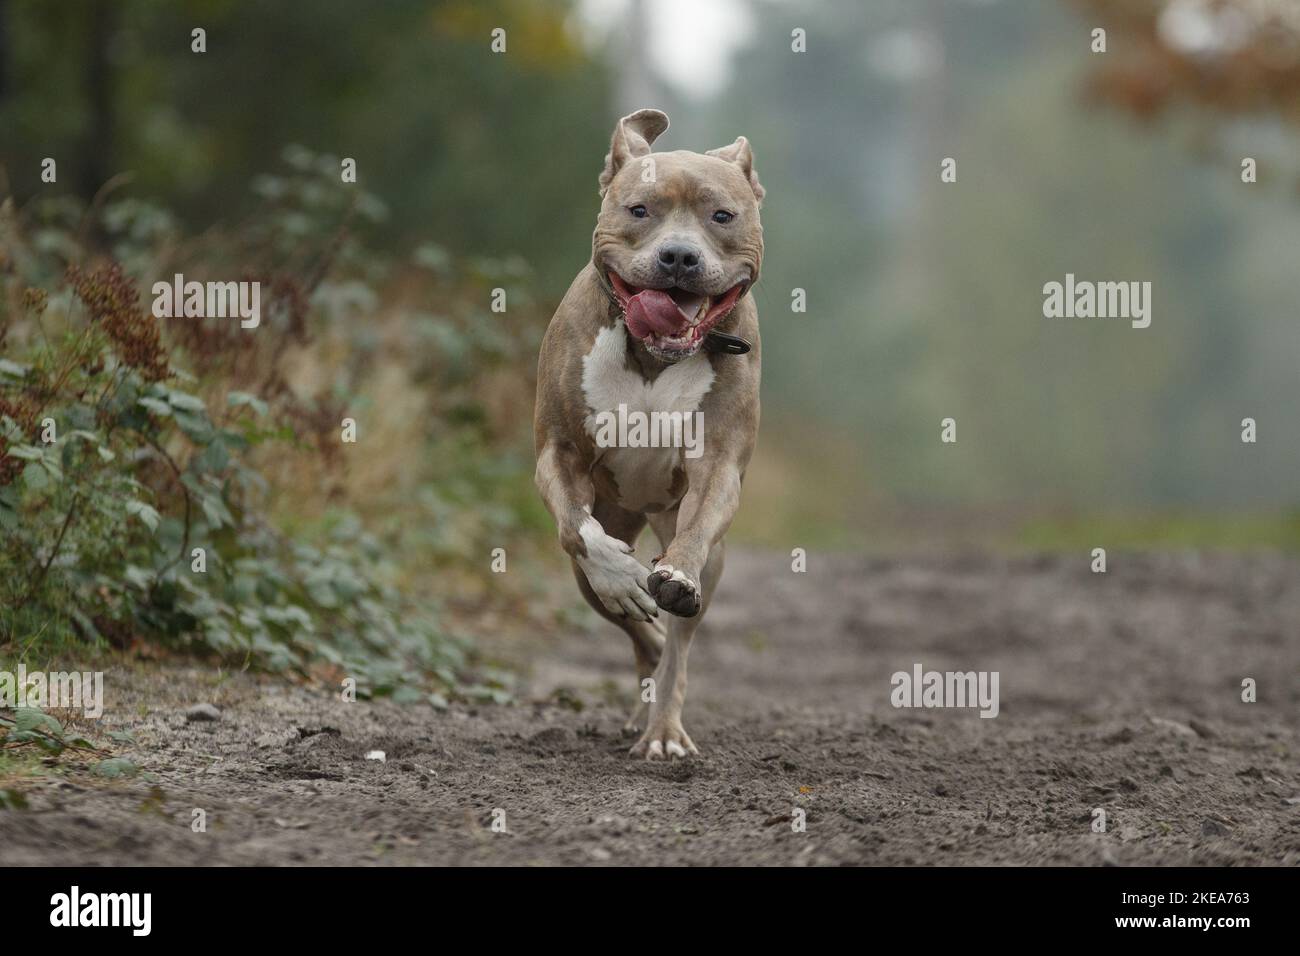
point(1120, 691)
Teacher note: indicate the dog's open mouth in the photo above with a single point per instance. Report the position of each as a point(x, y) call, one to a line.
point(671, 322)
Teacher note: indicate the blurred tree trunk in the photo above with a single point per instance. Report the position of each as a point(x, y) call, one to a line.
point(4, 49)
point(96, 164)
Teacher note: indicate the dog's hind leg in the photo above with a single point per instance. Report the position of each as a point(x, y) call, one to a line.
point(648, 639)
point(664, 735)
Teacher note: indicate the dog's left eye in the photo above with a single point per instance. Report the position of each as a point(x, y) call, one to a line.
point(723, 216)
point(638, 212)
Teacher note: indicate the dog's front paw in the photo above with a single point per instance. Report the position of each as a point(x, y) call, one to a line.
point(616, 576)
point(674, 591)
point(664, 739)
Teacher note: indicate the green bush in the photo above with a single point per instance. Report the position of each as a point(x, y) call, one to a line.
point(132, 505)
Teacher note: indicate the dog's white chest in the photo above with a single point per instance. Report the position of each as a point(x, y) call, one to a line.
point(644, 475)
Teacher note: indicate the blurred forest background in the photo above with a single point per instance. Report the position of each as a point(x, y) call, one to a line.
point(478, 170)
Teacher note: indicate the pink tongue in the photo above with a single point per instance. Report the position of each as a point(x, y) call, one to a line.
point(653, 312)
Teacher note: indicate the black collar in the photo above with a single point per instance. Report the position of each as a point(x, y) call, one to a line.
point(719, 343)
point(722, 343)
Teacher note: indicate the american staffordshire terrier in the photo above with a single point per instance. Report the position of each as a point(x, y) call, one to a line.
point(658, 322)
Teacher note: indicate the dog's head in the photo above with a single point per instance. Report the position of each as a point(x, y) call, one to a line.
point(678, 238)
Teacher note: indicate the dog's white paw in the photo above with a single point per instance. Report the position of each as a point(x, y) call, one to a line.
point(617, 578)
point(664, 740)
point(674, 590)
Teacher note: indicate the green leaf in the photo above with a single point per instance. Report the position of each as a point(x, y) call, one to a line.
point(144, 512)
point(432, 257)
point(36, 478)
point(36, 720)
point(140, 577)
point(197, 427)
point(83, 417)
point(185, 401)
point(27, 452)
point(215, 510)
point(116, 767)
point(252, 401)
point(32, 737)
point(214, 459)
point(34, 726)
point(156, 406)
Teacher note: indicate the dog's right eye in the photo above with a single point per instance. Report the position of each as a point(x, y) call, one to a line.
point(638, 211)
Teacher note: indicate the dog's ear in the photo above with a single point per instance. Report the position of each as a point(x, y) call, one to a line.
point(632, 138)
point(740, 154)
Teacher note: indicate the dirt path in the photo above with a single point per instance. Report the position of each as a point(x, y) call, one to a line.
point(1119, 691)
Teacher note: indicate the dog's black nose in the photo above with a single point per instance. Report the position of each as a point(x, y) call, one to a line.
point(679, 259)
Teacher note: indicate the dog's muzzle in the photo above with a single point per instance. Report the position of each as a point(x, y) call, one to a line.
point(674, 323)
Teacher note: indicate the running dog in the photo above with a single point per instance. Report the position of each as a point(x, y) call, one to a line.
point(659, 321)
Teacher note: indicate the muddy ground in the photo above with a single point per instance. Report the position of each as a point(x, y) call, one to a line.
point(1119, 690)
